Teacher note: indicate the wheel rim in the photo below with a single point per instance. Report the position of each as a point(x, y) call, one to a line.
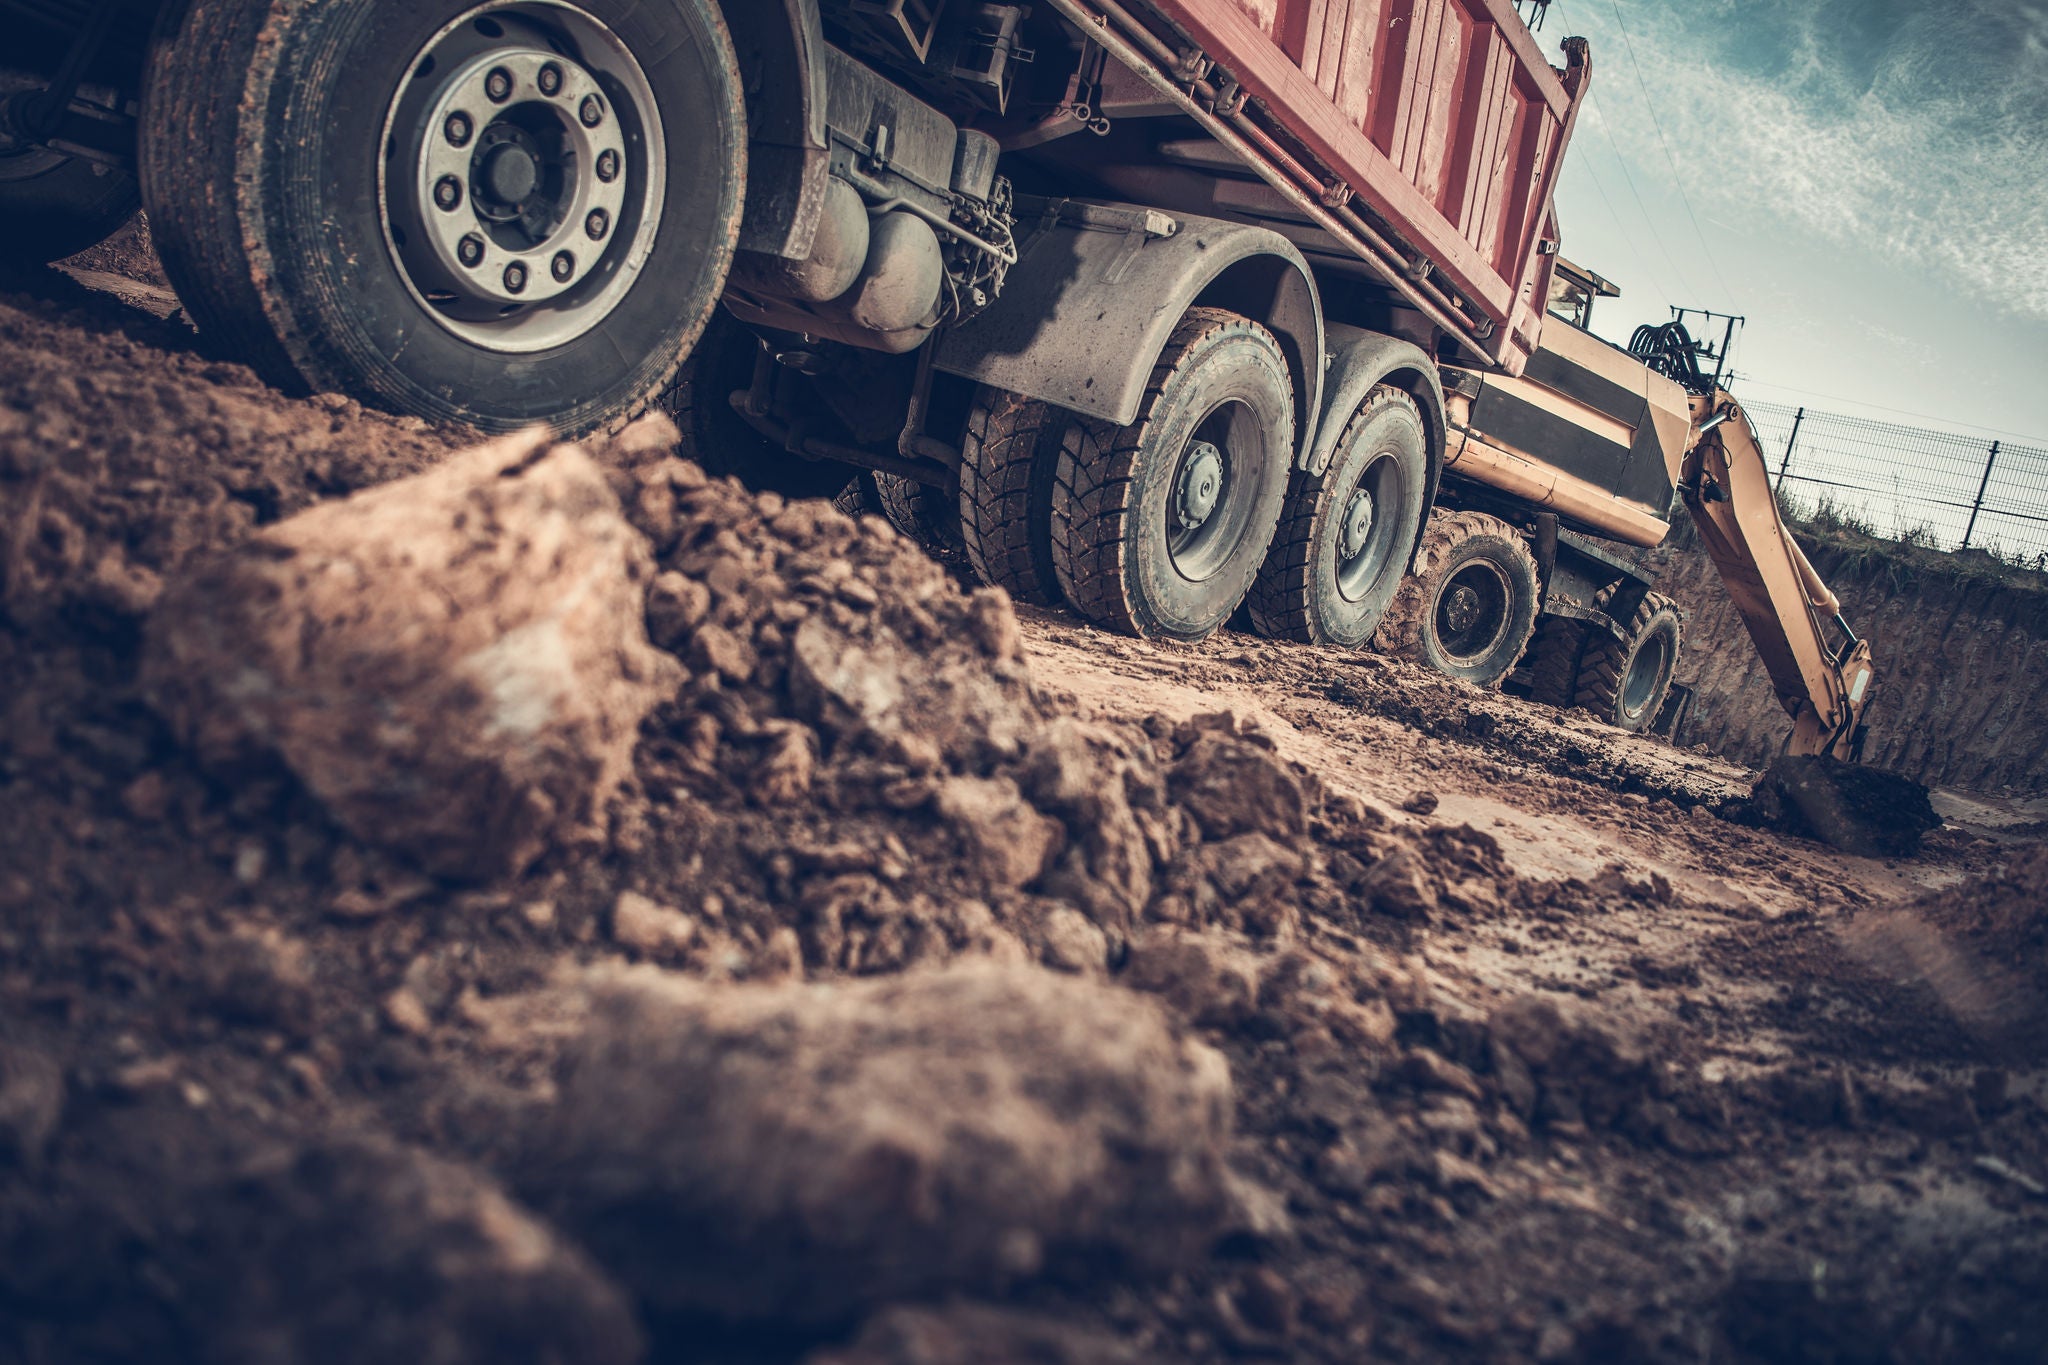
point(1206, 509)
point(1472, 612)
point(523, 175)
point(1645, 673)
point(1366, 529)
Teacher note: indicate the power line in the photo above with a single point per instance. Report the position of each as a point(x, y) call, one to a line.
point(1677, 177)
point(1641, 261)
point(1641, 207)
point(1648, 222)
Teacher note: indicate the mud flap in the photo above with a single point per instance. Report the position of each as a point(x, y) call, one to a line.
point(1859, 810)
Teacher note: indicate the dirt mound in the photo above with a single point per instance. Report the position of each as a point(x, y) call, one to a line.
point(1857, 809)
point(241, 1022)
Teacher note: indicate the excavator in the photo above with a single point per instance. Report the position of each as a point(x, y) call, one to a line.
point(1537, 441)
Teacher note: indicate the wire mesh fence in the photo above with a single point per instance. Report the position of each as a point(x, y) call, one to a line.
point(1926, 487)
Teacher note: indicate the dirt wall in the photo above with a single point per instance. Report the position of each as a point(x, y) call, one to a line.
point(1961, 648)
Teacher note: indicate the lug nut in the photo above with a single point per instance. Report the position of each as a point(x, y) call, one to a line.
point(550, 79)
point(470, 250)
point(498, 84)
point(607, 165)
point(457, 130)
point(515, 277)
point(591, 111)
point(597, 224)
point(563, 266)
point(448, 192)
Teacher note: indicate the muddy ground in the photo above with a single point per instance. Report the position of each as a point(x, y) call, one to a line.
point(941, 982)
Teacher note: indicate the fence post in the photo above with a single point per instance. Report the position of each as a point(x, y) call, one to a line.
point(1989, 461)
point(1790, 441)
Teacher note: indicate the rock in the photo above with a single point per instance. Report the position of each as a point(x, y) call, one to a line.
point(647, 926)
point(1586, 1063)
point(456, 663)
point(796, 1153)
point(714, 649)
point(923, 707)
point(1070, 941)
point(786, 768)
point(1202, 977)
point(1005, 840)
point(407, 1013)
point(357, 1250)
point(1420, 803)
point(1233, 787)
point(972, 1334)
point(31, 1102)
point(1078, 773)
point(1400, 885)
point(676, 605)
point(994, 623)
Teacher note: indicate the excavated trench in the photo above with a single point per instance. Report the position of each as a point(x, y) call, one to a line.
point(783, 952)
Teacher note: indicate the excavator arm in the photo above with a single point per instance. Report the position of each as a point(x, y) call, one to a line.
point(1726, 484)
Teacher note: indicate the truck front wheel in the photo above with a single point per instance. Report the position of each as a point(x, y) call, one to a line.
point(1345, 533)
point(496, 213)
point(1159, 527)
point(1470, 606)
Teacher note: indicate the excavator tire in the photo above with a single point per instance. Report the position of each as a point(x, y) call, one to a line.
point(1469, 608)
point(1344, 537)
point(1159, 527)
point(1554, 656)
point(1624, 682)
point(1009, 458)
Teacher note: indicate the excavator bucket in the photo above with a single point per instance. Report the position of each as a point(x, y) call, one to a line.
point(1860, 810)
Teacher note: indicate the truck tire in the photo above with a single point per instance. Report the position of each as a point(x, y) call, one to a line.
point(1159, 527)
point(1469, 608)
point(1345, 534)
point(490, 213)
point(53, 205)
point(927, 515)
point(699, 400)
point(1624, 682)
point(1009, 461)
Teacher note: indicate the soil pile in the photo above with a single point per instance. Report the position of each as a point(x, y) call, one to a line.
point(878, 977)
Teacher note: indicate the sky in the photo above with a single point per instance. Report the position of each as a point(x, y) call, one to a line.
point(1865, 180)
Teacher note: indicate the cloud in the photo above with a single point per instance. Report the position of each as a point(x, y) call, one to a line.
point(1918, 133)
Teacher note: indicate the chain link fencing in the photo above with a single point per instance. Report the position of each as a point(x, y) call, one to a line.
point(1924, 487)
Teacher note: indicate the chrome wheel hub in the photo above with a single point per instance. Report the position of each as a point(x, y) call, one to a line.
point(1357, 532)
point(1201, 481)
point(523, 175)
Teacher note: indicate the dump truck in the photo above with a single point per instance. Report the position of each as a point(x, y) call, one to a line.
point(1164, 309)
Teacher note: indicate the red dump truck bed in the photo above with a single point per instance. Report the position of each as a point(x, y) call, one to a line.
point(1425, 136)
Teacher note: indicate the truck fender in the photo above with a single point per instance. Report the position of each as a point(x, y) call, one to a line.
point(781, 50)
point(1359, 362)
point(1098, 288)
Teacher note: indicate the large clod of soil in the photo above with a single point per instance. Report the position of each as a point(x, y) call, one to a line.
point(455, 663)
point(796, 1153)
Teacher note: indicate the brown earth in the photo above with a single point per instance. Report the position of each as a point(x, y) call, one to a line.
point(939, 982)
point(1960, 642)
